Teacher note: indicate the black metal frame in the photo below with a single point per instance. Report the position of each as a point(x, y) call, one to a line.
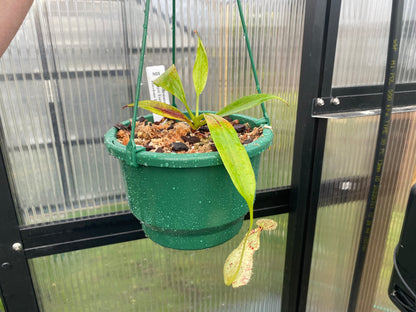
point(53, 238)
point(16, 285)
point(356, 100)
point(318, 54)
point(300, 200)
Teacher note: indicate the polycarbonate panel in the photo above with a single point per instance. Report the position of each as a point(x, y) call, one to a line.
point(73, 65)
point(406, 71)
point(399, 174)
point(348, 160)
point(84, 35)
point(361, 51)
point(143, 276)
point(347, 163)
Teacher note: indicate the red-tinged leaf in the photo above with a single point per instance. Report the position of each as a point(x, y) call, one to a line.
point(128, 105)
point(171, 82)
point(164, 110)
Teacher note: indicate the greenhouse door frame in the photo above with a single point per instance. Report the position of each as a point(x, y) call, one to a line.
point(18, 244)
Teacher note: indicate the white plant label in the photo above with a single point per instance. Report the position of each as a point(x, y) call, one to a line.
point(156, 93)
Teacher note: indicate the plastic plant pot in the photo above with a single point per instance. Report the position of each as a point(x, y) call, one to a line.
point(185, 201)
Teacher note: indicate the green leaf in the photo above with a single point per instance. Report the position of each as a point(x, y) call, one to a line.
point(200, 71)
point(165, 110)
point(247, 102)
point(171, 82)
point(233, 156)
point(238, 165)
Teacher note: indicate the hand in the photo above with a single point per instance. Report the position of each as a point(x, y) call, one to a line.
point(12, 14)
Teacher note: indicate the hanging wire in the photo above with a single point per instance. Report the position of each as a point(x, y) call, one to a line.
point(173, 40)
point(131, 146)
point(253, 66)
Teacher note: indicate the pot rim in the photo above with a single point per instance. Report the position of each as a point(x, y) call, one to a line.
point(173, 160)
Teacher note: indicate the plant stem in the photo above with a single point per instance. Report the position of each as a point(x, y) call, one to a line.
point(197, 106)
point(198, 121)
point(192, 116)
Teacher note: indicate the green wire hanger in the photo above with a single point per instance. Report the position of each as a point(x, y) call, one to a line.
point(131, 148)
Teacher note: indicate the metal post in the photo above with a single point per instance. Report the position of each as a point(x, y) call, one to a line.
point(383, 131)
point(15, 279)
point(55, 107)
point(320, 35)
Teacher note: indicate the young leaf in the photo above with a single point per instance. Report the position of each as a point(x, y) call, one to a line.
point(165, 110)
point(247, 102)
point(200, 71)
point(171, 82)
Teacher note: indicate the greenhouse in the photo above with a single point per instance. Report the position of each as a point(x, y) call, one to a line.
point(271, 164)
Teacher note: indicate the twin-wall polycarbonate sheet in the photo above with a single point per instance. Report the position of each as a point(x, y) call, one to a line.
point(73, 65)
point(407, 56)
point(347, 163)
point(399, 174)
point(361, 50)
point(84, 35)
point(348, 159)
point(143, 276)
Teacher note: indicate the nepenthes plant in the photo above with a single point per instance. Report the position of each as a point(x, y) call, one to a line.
point(232, 152)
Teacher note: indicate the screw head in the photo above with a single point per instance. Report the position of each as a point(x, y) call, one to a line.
point(320, 102)
point(335, 101)
point(17, 247)
point(6, 265)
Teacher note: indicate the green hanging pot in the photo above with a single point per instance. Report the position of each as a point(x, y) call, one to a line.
point(185, 201)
